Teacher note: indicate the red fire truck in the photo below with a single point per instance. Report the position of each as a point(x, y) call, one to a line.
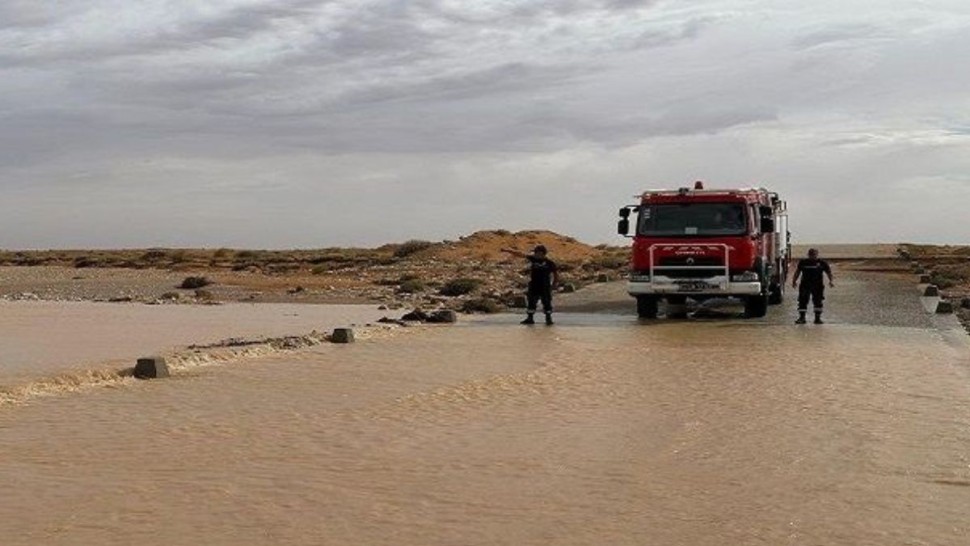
point(708, 243)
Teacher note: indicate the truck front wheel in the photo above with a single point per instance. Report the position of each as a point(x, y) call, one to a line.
point(647, 307)
point(776, 293)
point(756, 306)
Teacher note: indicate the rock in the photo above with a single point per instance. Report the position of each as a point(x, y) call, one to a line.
point(924, 279)
point(568, 288)
point(172, 296)
point(415, 316)
point(604, 277)
point(342, 335)
point(382, 308)
point(120, 299)
point(931, 291)
point(296, 290)
point(444, 316)
point(152, 367)
point(965, 303)
point(944, 307)
point(519, 302)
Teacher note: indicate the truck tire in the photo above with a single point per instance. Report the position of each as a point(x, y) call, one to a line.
point(756, 306)
point(776, 294)
point(647, 307)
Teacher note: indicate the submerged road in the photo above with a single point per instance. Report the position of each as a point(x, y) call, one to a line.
point(600, 430)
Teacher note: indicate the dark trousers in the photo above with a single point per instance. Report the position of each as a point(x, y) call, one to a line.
point(537, 294)
point(815, 292)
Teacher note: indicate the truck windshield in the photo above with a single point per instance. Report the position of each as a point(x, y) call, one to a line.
point(692, 219)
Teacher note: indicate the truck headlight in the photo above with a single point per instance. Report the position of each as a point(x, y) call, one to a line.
point(747, 276)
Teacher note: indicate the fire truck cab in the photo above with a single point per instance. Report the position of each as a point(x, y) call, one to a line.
point(702, 243)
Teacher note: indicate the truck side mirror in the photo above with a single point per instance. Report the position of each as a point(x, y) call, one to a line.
point(767, 225)
point(766, 211)
point(625, 212)
point(623, 227)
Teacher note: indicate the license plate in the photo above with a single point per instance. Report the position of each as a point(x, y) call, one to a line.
point(694, 286)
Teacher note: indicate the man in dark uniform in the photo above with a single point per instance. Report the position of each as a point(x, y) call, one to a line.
point(543, 277)
point(812, 271)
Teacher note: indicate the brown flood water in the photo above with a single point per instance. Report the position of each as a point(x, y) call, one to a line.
point(599, 430)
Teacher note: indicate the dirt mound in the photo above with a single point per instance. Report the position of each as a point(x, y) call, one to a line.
point(488, 245)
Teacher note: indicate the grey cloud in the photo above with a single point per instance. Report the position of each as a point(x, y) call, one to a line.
point(837, 34)
point(252, 106)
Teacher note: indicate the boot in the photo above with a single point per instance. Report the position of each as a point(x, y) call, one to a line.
point(528, 319)
point(818, 318)
point(549, 319)
point(801, 318)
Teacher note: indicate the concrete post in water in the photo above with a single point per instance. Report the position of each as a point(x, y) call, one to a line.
point(944, 307)
point(931, 291)
point(342, 335)
point(152, 367)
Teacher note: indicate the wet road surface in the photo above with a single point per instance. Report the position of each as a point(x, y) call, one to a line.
point(600, 430)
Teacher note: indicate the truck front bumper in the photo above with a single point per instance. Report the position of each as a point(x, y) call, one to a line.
point(716, 286)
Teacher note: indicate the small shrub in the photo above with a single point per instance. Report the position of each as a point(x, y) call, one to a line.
point(482, 305)
point(411, 247)
point(204, 295)
point(84, 261)
point(460, 287)
point(410, 286)
point(154, 255)
point(191, 283)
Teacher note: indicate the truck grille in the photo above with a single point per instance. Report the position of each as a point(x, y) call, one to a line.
point(714, 263)
point(698, 261)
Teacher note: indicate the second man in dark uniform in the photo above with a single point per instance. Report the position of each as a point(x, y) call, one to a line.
point(812, 272)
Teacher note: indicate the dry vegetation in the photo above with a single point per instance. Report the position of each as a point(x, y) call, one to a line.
point(471, 274)
point(948, 268)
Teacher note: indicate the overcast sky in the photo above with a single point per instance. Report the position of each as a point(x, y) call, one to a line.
point(307, 123)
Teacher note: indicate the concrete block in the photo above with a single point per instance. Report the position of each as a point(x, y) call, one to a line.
point(944, 307)
point(151, 367)
point(931, 291)
point(342, 335)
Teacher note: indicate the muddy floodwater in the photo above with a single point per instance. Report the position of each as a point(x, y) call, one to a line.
point(599, 430)
point(44, 338)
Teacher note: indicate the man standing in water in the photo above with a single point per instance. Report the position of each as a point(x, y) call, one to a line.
point(811, 271)
point(543, 277)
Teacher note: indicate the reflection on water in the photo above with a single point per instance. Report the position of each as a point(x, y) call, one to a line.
point(598, 431)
